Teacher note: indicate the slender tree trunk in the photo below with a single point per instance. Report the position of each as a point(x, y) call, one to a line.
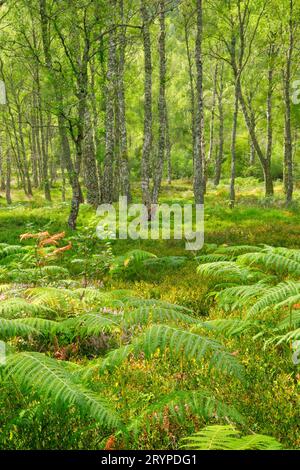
point(233, 150)
point(34, 153)
point(268, 176)
point(23, 151)
point(161, 105)
point(252, 148)
point(168, 149)
point(72, 170)
point(212, 124)
point(17, 150)
point(191, 82)
point(93, 196)
point(2, 176)
point(95, 123)
point(8, 178)
point(108, 174)
point(199, 123)
point(124, 162)
point(147, 142)
point(219, 155)
point(269, 191)
point(288, 144)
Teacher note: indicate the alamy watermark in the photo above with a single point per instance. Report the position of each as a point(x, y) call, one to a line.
point(160, 221)
point(2, 353)
point(296, 92)
point(296, 352)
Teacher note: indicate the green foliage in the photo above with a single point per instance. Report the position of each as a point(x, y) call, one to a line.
point(161, 366)
point(180, 404)
point(46, 377)
point(11, 328)
point(228, 438)
point(179, 343)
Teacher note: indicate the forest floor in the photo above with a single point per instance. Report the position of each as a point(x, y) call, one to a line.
point(269, 399)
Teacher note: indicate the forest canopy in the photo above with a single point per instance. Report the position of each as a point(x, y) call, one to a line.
point(102, 94)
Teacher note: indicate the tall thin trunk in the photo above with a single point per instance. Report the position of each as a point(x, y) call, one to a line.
point(168, 149)
point(233, 149)
point(219, 154)
point(107, 186)
point(95, 124)
point(269, 190)
point(8, 177)
point(91, 179)
point(191, 83)
point(73, 171)
point(252, 148)
point(212, 123)
point(34, 153)
point(17, 150)
point(288, 144)
point(159, 164)
point(2, 176)
point(269, 107)
point(199, 122)
point(124, 161)
point(147, 139)
point(23, 151)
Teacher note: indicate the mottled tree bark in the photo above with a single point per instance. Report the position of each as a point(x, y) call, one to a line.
point(17, 150)
point(288, 145)
point(272, 52)
point(159, 163)
point(233, 150)
point(108, 174)
point(73, 170)
point(8, 177)
point(238, 60)
point(23, 151)
point(212, 124)
point(168, 148)
point(191, 83)
point(147, 139)
point(2, 176)
point(219, 154)
point(91, 179)
point(199, 157)
point(124, 162)
point(34, 152)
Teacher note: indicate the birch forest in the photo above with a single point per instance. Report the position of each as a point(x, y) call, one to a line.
point(121, 343)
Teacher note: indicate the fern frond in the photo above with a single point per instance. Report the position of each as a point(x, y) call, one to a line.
point(237, 297)
point(91, 324)
point(7, 250)
point(213, 257)
point(226, 271)
point(180, 404)
point(238, 250)
point(47, 378)
point(18, 307)
point(271, 262)
point(43, 325)
point(11, 328)
point(293, 335)
point(178, 342)
point(154, 303)
point(274, 296)
point(143, 315)
point(230, 327)
point(5, 288)
point(227, 438)
point(58, 300)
